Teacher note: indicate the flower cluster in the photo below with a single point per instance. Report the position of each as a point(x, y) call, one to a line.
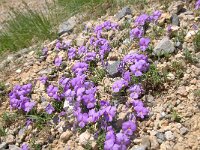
point(19, 97)
point(141, 23)
point(121, 140)
point(136, 64)
point(107, 25)
point(81, 94)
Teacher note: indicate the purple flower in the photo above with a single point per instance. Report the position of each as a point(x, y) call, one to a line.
point(144, 43)
point(135, 90)
point(127, 76)
point(69, 95)
point(129, 127)
point(141, 111)
point(109, 113)
point(119, 84)
point(43, 79)
point(19, 97)
point(169, 28)
point(89, 100)
point(138, 68)
point(122, 140)
point(24, 146)
point(90, 56)
point(82, 50)
point(58, 61)
point(71, 53)
point(49, 109)
point(82, 119)
point(108, 144)
point(136, 33)
point(141, 20)
point(110, 134)
point(28, 106)
point(156, 15)
point(197, 5)
point(52, 91)
point(58, 45)
point(137, 103)
point(79, 68)
point(92, 116)
point(44, 51)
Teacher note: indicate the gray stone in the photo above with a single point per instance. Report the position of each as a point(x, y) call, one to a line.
point(3, 145)
point(112, 68)
point(165, 46)
point(183, 130)
point(123, 12)
point(175, 20)
point(169, 135)
point(175, 7)
point(14, 147)
point(45, 71)
point(160, 136)
point(67, 26)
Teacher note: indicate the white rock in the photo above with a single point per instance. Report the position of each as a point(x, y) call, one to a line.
point(169, 135)
point(84, 138)
point(65, 136)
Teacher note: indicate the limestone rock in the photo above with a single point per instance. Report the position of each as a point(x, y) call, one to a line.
point(165, 46)
point(123, 12)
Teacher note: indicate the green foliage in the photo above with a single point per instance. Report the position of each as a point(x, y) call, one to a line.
point(58, 105)
point(88, 146)
point(178, 68)
point(2, 131)
point(34, 145)
point(101, 139)
point(152, 78)
point(197, 41)
point(9, 118)
point(98, 75)
point(2, 86)
point(175, 116)
point(40, 119)
point(179, 36)
point(24, 29)
point(188, 57)
point(197, 93)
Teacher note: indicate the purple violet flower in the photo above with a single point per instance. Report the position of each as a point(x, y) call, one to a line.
point(82, 50)
point(136, 33)
point(58, 61)
point(144, 43)
point(141, 111)
point(28, 106)
point(49, 109)
point(43, 79)
point(71, 53)
point(109, 113)
point(118, 85)
point(24, 146)
point(129, 127)
point(136, 91)
point(141, 20)
point(52, 91)
point(156, 15)
point(82, 119)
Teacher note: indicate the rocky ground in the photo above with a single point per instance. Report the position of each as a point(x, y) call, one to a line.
point(171, 94)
